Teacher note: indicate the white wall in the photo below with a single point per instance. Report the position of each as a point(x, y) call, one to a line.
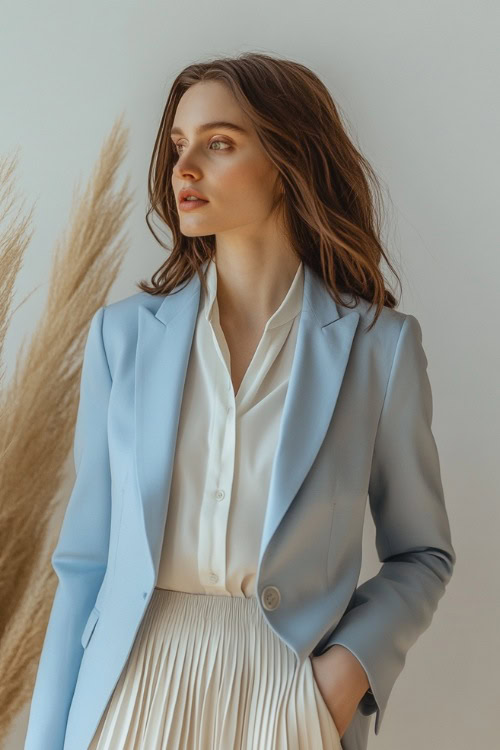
point(417, 81)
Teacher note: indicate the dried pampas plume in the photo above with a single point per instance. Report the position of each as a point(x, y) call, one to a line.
point(38, 406)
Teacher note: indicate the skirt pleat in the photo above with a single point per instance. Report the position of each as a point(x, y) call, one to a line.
point(207, 672)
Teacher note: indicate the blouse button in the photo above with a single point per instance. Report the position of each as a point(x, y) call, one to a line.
point(213, 577)
point(220, 494)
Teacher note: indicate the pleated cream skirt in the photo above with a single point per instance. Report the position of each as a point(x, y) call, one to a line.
point(207, 672)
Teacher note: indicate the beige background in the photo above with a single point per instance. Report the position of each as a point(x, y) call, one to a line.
point(417, 81)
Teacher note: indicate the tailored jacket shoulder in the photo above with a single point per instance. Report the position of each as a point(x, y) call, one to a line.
point(356, 428)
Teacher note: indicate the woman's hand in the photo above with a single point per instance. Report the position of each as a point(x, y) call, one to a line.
point(342, 682)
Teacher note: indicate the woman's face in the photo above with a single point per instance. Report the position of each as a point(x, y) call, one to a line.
point(228, 167)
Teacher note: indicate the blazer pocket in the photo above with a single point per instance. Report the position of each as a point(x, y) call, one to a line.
point(89, 627)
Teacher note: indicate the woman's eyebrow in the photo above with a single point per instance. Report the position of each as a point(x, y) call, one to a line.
point(211, 125)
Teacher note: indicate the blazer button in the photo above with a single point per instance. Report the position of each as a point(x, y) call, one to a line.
point(271, 597)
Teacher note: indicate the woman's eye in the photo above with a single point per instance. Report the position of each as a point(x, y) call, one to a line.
point(177, 146)
point(223, 142)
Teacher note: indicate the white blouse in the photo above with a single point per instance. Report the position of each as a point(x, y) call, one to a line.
point(224, 452)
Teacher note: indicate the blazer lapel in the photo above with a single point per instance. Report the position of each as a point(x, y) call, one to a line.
point(324, 341)
point(164, 342)
point(323, 344)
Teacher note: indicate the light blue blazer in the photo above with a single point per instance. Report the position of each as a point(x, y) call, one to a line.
point(356, 425)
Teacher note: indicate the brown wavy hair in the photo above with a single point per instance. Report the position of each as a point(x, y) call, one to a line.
point(331, 197)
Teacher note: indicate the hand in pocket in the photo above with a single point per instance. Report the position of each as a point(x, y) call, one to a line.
point(341, 689)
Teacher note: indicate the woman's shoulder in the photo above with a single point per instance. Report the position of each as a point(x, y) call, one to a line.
point(128, 305)
point(388, 323)
point(377, 346)
point(123, 313)
point(121, 321)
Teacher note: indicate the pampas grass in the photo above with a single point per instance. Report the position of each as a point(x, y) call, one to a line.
point(38, 406)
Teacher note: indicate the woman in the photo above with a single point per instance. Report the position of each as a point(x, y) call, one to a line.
point(260, 403)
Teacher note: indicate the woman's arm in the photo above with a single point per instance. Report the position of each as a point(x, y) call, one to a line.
point(80, 556)
point(388, 612)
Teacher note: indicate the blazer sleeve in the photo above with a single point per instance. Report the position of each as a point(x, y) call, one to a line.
point(388, 612)
point(80, 556)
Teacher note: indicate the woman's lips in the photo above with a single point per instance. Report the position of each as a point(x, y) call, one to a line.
point(191, 205)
